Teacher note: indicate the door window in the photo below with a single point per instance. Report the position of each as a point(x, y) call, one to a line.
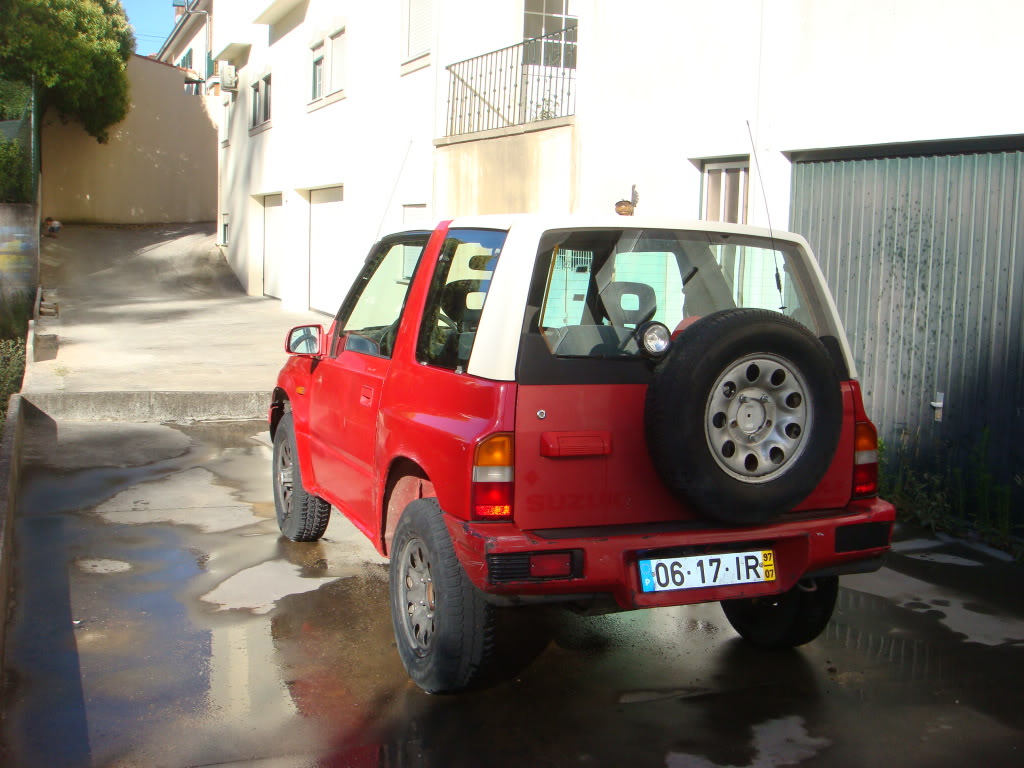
point(368, 320)
point(457, 295)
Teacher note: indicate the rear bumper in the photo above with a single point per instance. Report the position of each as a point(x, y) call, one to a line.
point(605, 562)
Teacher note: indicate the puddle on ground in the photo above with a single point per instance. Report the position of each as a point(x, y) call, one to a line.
point(959, 613)
point(224, 643)
point(185, 498)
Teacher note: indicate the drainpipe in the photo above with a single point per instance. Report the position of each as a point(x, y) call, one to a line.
point(209, 36)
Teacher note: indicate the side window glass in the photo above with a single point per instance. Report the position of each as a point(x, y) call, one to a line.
point(457, 294)
point(368, 320)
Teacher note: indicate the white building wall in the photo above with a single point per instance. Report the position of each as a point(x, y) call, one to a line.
point(662, 85)
point(375, 142)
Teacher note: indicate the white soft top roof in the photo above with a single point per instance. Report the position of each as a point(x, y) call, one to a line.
point(543, 222)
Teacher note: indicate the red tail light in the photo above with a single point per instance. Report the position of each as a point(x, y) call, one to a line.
point(492, 501)
point(492, 479)
point(865, 460)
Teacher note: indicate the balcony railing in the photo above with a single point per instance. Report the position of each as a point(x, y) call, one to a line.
point(533, 80)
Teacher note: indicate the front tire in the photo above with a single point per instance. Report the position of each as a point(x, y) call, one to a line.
point(785, 621)
point(444, 627)
point(301, 516)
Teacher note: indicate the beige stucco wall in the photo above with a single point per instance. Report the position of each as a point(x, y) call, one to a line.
point(160, 164)
point(532, 172)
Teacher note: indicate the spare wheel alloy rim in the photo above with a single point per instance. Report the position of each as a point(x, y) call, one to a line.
point(417, 596)
point(757, 418)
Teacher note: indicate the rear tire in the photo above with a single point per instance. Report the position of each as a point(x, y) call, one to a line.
point(784, 621)
point(444, 627)
point(301, 516)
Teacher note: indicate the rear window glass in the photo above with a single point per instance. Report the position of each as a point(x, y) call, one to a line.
point(601, 285)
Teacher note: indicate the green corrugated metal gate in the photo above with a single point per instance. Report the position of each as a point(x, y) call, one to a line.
point(925, 258)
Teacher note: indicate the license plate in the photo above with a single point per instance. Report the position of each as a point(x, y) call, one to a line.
point(707, 570)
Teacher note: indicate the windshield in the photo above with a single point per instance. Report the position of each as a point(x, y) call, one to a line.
point(601, 285)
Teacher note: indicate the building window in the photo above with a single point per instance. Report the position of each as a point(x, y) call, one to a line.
point(224, 223)
point(546, 19)
point(329, 66)
point(318, 72)
point(261, 101)
point(186, 60)
point(416, 30)
point(725, 191)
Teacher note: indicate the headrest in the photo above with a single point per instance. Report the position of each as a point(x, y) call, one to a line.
point(629, 303)
point(458, 295)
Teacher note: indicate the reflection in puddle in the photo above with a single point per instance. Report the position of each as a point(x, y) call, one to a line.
point(184, 498)
point(777, 742)
point(258, 589)
point(93, 565)
point(939, 557)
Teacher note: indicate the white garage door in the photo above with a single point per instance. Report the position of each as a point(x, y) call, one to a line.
point(331, 270)
point(273, 245)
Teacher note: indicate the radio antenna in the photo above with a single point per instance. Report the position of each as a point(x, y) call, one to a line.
point(768, 214)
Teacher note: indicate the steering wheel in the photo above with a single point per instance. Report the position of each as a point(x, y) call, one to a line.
point(387, 340)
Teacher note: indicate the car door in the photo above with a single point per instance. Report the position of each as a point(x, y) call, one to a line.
point(345, 391)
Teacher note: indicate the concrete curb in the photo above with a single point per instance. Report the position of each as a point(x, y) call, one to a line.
point(10, 482)
point(137, 406)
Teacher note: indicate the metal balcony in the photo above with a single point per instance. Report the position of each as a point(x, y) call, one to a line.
point(533, 80)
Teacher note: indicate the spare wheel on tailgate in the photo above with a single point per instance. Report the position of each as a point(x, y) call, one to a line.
point(743, 415)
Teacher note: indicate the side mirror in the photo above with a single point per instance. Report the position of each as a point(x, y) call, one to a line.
point(305, 340)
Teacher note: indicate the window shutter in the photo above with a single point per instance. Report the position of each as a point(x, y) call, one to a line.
point(418, 22)
point(338, 62)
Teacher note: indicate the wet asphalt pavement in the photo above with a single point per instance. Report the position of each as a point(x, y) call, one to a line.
point(160, 620)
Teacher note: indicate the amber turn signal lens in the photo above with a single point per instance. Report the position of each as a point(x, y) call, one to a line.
point(865, 460)
point(495, 451)
point(865, 437)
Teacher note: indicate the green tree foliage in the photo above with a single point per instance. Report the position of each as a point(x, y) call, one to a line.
point(13, 99)
point(76, 51)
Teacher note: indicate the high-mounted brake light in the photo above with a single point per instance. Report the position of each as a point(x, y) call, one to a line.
point(865, 459)
point(492, 478)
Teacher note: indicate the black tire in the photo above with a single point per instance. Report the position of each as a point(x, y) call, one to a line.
point(784, 621)
point(301, 516)
point(444, 627)
point(743, 415)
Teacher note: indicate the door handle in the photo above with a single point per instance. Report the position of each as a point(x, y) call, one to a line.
point(366, 396)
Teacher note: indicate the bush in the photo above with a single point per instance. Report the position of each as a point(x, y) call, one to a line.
point(15, 311)
point(12, 368)
point(962, 498)
point(15, 172)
